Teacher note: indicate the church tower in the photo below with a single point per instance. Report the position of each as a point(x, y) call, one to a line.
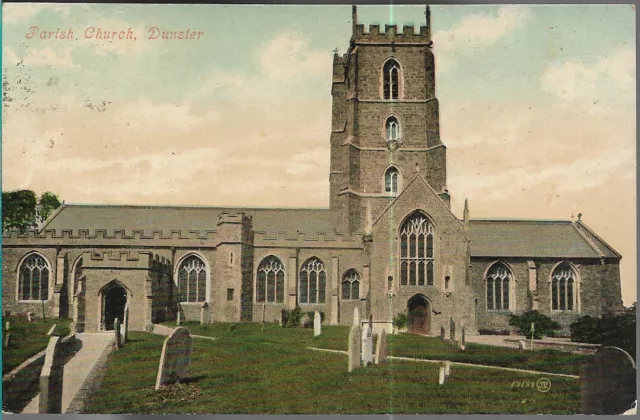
point(385, 120)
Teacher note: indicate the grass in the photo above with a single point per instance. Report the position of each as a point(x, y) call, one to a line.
point(28, 338)
point(256, 369)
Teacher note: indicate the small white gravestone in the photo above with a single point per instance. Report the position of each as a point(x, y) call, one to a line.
point(317, 324)
point(51, 377)
point(118, 332)
point(178, 317)
point(447, 368)
point(356, 316)
point(354, 347)
point(441, 375)
point(175, 359)
point(463, 340)
point(203, 311)
point(382, 349)
point(6, 338)
point(125, 324)
point(30, 317)
point(367, 346)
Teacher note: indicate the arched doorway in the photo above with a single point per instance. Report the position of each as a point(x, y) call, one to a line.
point(419, 311)
point(114, 299)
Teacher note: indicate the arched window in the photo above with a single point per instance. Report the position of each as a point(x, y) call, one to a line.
point(192, 280)
point(499, 278)
point(391, 76)
point(563, 288)
point(313, 281)
point(391, 180)
point(393, 129)
point(416, 251)
point(33, 283)
point(270, 280)
point(351, 285)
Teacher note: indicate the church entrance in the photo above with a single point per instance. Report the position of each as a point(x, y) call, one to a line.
point(419, 311)
point(114, 299)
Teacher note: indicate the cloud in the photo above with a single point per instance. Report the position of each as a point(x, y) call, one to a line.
point(289, 55)
point(44, 57)
point(13, 13)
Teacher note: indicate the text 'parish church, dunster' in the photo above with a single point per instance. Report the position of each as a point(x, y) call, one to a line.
point(388, 243)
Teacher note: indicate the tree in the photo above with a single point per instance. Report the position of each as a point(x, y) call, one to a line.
point(22, 210)
point(543, 325)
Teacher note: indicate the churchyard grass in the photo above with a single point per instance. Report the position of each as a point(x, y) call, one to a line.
point(254, 369)
point(28, 338)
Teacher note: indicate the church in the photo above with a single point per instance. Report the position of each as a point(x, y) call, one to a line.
point(388, 242)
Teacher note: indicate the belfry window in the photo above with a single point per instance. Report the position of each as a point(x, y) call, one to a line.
point(393, 129)
point(270, 280)
point(192, 280)
point(563, 288)
point(313, 281)
point(391, 76)
point(416, 251)
point(499, 278)
point(391, 180)
point(33, 281)
point(351, 285)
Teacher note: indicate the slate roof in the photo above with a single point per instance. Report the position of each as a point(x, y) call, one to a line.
point(536, 238)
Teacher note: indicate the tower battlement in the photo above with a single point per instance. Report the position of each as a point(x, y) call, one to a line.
point(390, 33)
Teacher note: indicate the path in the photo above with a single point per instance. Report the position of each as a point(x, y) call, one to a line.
point(78, 367)
point(411, 359)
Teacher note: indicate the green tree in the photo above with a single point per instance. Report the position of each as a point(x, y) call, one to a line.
point(46, 205)
point(22, 210)
point(543, 325)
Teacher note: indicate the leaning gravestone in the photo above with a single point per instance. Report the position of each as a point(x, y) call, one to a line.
point(608, 382)
point(367, 345)
point(175, 359)
point(118, 332)
point(317, 324)
point(452, 330)
point(382, 349)
point(51, 379)
point(354, 347)
point(125, 324)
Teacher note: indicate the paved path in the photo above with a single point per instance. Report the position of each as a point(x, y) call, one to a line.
point(78, 367)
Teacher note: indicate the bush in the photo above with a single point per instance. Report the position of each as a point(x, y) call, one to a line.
point(493, 332)
point(543, 325)
point(617, 331)
point(400, 321)
point(293, 318)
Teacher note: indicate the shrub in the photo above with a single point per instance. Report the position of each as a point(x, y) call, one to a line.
point(400, 321)
point(543, 325)
point(293, 318)
point(493, 332)
point(617, 331)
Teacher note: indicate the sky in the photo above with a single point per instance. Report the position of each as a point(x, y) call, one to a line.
point(537, 107)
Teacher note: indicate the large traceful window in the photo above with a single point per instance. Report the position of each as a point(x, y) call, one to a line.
point(270, 280)
point(563, 288)
point(351, 285)
point(391, 79)
point(313, 281)
point(416, 251)
point(499, 278)
point(391, 180)
point(192, 280)
point(33, 283)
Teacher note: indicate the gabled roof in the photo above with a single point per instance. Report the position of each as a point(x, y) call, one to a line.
point(168, 218)
point(536, 239)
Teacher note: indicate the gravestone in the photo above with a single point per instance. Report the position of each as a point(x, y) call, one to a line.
point(452, 330)
point(367, 344)
point(204, 309)
point(6, 337)
point(382, 348)
point(356, 316)
point(441, 375)
point(178, 317)
point(125, 324)
point(118, 332)
point(463, 341)
point(522, 345)
point(317, 324)
point(175, 359)
point(447, 368)
point(608, 382)
point(443, 333)
point(354, 347)
point(51, 379)
point(30, 317)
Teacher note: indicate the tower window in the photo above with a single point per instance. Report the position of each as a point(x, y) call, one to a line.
point(391, 181)
point(391, 76)
point(393, 129)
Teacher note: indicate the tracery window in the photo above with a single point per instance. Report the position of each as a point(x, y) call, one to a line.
point(391, 180)
point(313, 281)
point(192, 280)
point(270, 280)
point(351, 285)
point(563, 288)
point(392, 128)
point(391, 76)
point(498, 282)
point(33, 283)
point(416, 251)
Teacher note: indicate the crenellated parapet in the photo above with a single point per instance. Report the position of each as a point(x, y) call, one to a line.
point(391, 34)
point(144, 260)
point(306, 240)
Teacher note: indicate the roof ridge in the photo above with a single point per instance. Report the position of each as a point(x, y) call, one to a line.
point(588, 229)
point(192, 206)
point(589, 241)
point(507, 219)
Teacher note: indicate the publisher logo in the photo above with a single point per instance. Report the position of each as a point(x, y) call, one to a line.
point(543, 384)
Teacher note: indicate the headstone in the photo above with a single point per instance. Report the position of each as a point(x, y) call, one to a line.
point(356, 316)
point(447, 368)
point(608, 382)
point(443, 333)
point(125, 324)
point(441, 375)
point(317, 324)
point(178, 317)
point(6, 339)
point(7, 326)
point(51, 379)
point(452, 330)
point(382, 349)
point(175, 359)
point(30, 316)
point(51, 330)
point(463, 341)
point(118, 332)
point(203, 310)
point(354, 347)
point(522, 345)
point(367, 345)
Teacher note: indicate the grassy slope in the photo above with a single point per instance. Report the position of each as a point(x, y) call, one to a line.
point(250, 370)
point(28, 338)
